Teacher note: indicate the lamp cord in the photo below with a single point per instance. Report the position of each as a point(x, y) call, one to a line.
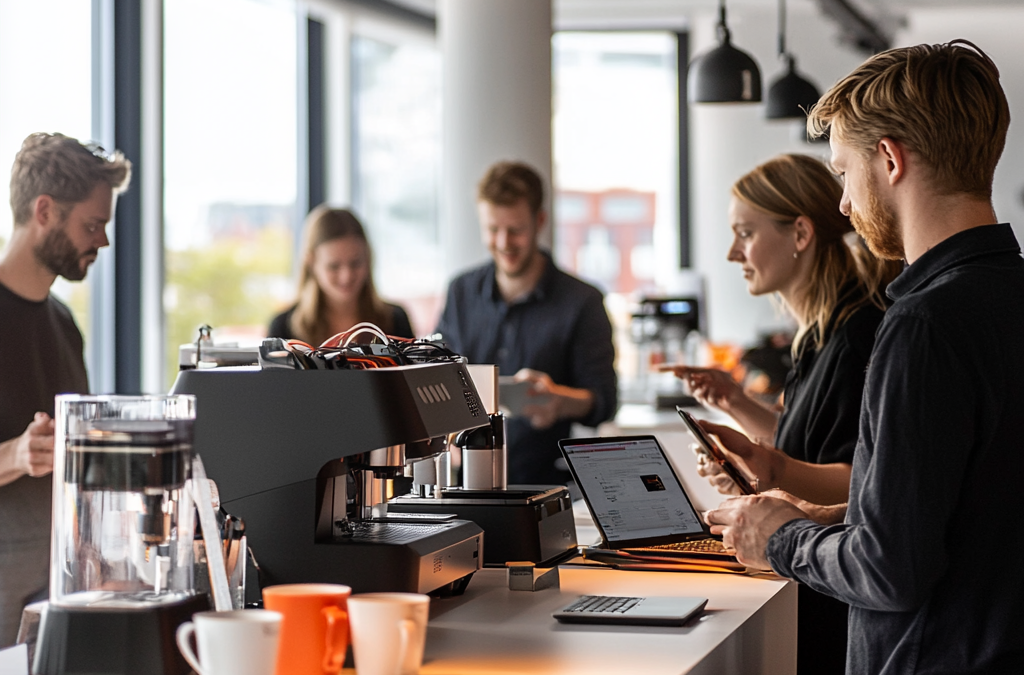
point(782, 28)
point(723, 30)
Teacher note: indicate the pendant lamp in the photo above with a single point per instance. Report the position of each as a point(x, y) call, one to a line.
point(724, 74)
point(790, 96)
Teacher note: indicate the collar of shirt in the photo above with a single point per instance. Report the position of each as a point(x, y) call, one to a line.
point(538, 292)
point(977, 242)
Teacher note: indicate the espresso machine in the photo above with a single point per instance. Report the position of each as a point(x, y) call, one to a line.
point(666, 330)
point(306, 447)
point(121, 570)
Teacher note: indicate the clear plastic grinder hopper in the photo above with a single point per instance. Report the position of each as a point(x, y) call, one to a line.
point(121, 574)
point(123, 520)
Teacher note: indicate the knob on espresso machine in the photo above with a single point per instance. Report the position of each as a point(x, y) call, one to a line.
point(484, 464)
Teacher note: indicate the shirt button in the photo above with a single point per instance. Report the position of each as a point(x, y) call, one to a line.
point(503, 353)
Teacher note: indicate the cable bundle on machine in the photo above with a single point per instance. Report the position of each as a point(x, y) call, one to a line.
point(342, 352)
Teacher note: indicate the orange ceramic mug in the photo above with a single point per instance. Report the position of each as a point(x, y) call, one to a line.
point(314, 630)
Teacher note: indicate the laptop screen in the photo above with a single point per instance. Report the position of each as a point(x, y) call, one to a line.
point(631, 488)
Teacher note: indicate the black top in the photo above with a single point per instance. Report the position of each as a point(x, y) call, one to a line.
point(40, 357)
point(823, 392)
point(929, 555)
point(560, 328)
point(280, 326)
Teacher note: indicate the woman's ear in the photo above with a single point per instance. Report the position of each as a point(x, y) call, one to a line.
point(803, 233)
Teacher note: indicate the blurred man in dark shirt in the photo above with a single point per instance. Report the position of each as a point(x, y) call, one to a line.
point(533, 321)
point(62, 196)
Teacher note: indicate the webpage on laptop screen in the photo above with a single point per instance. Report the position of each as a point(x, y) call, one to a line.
point(632, 490)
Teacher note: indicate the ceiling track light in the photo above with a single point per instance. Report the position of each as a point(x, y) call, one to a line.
point(790, 96)
point(724, 74)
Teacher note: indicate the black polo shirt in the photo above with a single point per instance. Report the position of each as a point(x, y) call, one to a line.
point(929, 555)
point(559, 328)
point(823, 391)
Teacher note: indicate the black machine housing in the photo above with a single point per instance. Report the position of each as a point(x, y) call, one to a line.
point(287, 449)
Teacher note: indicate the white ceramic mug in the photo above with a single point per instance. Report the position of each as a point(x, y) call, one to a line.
point(389, 631)
point(239, 642)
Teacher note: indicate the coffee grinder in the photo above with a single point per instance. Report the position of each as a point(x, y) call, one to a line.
point(121, 569)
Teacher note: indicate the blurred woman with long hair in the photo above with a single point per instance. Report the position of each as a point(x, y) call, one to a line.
point(336, 289)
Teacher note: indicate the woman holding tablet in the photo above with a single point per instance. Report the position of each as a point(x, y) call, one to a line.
point(791, 239)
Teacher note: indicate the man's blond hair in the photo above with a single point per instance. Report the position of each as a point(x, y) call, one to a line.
point(63, 168)
point(942, 102)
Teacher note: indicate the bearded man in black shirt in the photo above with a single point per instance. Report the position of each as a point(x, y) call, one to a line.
point(62, 197)
point(916, 134)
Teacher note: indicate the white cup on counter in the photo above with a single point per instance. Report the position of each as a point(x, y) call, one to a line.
point(389, 632)
point(239, 642)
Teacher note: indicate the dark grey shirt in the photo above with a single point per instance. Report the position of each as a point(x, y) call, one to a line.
point(929, 557)
point(40, 357)
point(560, 328)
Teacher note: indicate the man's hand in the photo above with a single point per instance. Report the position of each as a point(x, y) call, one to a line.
point(760, 460)
point(31, 453)
point(549, 402)
point(746, 524)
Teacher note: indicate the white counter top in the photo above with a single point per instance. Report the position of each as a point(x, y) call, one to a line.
point(749, 627)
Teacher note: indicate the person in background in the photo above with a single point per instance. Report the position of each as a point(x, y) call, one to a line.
point(62, 197)
point(534, 321)
point(916, 134)
point(791, 239)
point(336, 288)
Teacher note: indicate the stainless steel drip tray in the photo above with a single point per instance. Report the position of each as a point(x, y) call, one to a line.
point(389, 532)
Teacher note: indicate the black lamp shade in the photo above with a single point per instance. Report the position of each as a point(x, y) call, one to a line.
point(725, 75)
point(791, 96)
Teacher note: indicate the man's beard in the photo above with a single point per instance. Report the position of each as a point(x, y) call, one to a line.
point(879, 227)
point(59, 255)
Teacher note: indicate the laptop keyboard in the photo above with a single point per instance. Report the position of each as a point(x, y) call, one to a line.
point(708, 545)
point(602, 604)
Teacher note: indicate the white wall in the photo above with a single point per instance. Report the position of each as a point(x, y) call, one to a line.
point(728, 140)
point(998, 31)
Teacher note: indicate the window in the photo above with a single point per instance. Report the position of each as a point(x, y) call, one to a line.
point(230, 166)
point(616, 167)
point(53, 91)
point(396, 142)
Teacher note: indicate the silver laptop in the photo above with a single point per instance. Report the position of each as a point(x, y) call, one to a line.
point(637, 501)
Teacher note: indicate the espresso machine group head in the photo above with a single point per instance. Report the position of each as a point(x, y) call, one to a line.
point(307, 458)
point(521, 522)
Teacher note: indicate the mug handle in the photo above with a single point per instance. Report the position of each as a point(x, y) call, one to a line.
point(337, 639)
point(406, 628)
point(183, 636)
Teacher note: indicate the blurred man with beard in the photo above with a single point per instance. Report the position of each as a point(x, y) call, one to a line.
point(916, 134)
point(535, 322)
point(62, 197)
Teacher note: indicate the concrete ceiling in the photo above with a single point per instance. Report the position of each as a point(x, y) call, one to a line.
point(886, 16)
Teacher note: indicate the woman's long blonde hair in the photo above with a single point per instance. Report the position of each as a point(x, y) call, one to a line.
point(844, 270)
point(309, 320)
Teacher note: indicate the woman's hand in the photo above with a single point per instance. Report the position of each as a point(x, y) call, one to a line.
point(712, 387)
point(758, 459)
point(712, 471)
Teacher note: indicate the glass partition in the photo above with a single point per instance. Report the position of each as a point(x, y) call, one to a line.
point(396, 155)
point(230, 166)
